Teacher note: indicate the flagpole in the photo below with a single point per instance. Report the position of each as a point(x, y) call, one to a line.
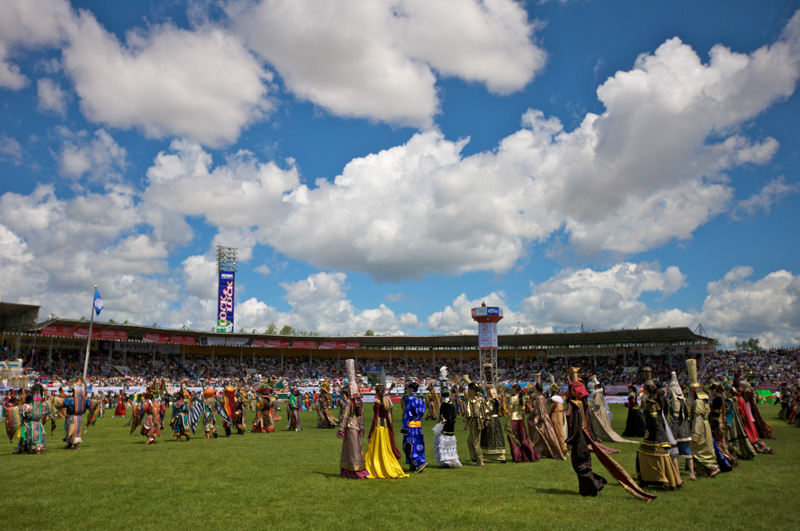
point(89, 339)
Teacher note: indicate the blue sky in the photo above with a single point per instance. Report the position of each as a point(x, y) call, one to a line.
point(389, 165)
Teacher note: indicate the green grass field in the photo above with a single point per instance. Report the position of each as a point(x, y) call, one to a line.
point(289, 480)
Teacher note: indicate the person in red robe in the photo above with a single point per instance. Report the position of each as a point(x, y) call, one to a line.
point(121, 400)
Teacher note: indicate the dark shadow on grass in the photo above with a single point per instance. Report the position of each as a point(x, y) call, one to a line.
point(559, 492)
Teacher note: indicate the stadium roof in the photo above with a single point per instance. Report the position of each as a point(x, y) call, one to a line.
point(16, 317)
point(612, 338)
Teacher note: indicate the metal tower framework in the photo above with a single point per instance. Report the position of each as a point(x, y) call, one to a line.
point(487, 318)
point(226, 258)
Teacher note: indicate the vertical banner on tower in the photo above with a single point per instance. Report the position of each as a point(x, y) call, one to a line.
point(487, 335)
point(225, 304)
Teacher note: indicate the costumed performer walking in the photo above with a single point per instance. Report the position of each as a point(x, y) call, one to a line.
point(654, 465)
point(413, 440)
point(25, 421)
point(351, 429)
point(545, 441)
point(76, 405)
point(601, 422)
point(581, 444)
point(444, 441)
point(702, 444)
point(493, 444)
point(474, 416)
point(634, 424)
point(382, 453)
point(679, 423)
point(180, 414)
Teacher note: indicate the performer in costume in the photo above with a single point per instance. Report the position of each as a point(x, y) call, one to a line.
point(717, 421)
point(544, 440)
point(680, 425)
point(475, 418)
point(180, 414)
point(351, 429)
point(601, 423)
point(444, 441)
point(518, 442)
point(702, 441)
point(151, 412)
point(589, 483)
point(748, 419)
point(581, 444)
point(121, 401)
point(75, 405)
point(294, 410)
point(229, 405)
point(738, 442)
point(493, 444)
point(324, 418)
point(654, 465)
point(763, 428)
point(210, 406)
point(26, 421)
point(428, 397)
point(264, 423)
point(555, 409)
point(634, 424)
point(413, 440)
point(382, 453)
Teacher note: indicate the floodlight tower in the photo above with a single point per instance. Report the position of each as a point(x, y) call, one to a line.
point(226, 269)
point(487, 318)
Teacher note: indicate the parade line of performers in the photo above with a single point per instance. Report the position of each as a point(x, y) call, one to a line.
point(709, 431)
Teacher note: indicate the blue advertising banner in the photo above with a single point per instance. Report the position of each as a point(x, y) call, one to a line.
point(225, 304)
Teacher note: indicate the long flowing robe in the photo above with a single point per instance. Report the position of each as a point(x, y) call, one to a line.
point(351, 431)
point(653, 463)
point(516, 431)
point(413, 439)
point(382, 453)
point(679, 423)
point(600, 421)
point(702, 441)
point(748, 420)
point(589, 483)
point(120, 410)
point(555, 410)
point(765, 431)
point(543, 434)
point(493, 444)
point(634, 424)
point(738, 443)
point(718, 428)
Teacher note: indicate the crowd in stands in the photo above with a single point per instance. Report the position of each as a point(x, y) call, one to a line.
point(767, 368)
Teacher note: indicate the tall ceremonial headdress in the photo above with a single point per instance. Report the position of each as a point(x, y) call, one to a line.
point(675, 386)
point(647, 374)
point(575, 384)
point(691, 368)
point(355, 389)
point(572, 374)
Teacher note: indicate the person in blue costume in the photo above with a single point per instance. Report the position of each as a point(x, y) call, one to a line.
point(413, 441)
point(76, 405)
